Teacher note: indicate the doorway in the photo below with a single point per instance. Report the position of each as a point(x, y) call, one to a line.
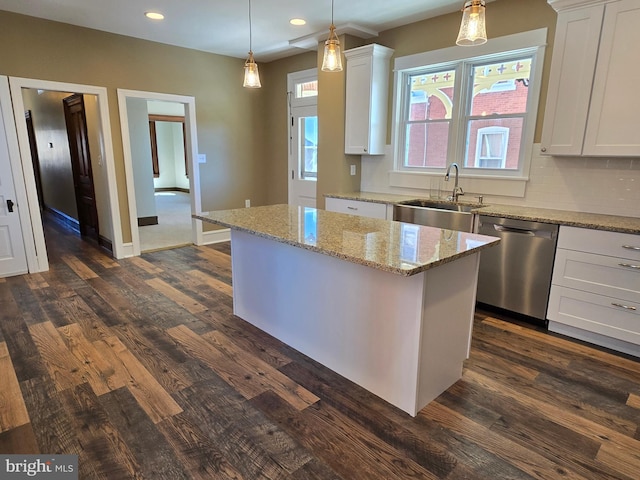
point(303, 137)
point(135, 108)
point(103, 166)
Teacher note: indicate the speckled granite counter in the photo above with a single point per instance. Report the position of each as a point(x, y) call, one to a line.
point(594, 221)
point(389, 246)
point(612, 223)
point(372, 308)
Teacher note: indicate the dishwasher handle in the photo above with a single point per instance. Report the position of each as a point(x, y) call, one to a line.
point(524, 231)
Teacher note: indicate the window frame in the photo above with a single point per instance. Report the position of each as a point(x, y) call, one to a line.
point(531, 43)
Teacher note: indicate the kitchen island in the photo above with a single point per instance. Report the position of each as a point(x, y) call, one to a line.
point(388, 305)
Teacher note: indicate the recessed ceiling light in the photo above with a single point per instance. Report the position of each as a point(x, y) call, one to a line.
point(297, 21)
point(154, 15)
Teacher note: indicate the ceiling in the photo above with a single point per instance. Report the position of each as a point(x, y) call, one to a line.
point(222, 26)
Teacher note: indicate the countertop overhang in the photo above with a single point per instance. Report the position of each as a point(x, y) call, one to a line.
point(395, 247)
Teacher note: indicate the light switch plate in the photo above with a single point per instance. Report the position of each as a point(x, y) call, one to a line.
point(353, 169)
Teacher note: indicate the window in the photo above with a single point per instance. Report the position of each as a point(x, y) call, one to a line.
point(308, 136)
point(491, 147)
point(479, 112)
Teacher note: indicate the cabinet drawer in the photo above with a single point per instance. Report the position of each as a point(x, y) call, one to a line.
point(611, 276)
point(613, 244)
point(356, 207)
point(595, 313)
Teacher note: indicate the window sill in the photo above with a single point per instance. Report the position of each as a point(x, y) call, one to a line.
point(505, 186)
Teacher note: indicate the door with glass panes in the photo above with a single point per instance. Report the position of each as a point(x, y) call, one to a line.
point(303, 137)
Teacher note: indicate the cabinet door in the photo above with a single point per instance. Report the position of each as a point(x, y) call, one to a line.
point(358, 105)
point(612, 128)
point(575, 51)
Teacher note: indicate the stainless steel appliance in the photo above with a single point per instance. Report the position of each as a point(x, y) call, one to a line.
point(516, 274)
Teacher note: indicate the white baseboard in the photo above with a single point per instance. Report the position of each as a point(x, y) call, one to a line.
point(216, 236)
point(126, 250)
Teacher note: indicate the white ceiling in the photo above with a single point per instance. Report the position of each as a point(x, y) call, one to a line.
point(222, 26)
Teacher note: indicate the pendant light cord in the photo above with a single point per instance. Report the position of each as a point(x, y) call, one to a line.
point(331, 12)
point(250, 33)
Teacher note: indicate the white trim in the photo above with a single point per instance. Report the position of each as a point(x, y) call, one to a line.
point(17, 174)
point(192, 152)
point(560, 5)
point(216, 236)
point(37, 257)
point(127, 250)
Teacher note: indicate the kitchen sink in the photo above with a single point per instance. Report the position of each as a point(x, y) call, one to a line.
point(440, 204)
point(437, 213)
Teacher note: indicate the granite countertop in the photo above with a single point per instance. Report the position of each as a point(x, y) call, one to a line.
point(596, 221)
point(399, 248)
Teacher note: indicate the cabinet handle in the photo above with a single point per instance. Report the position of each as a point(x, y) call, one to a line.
point(352, 208)
point(630, 247)
point(543, 149)
point(626, 307)
point(628, 265)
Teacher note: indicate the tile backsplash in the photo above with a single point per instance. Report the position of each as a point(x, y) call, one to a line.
point(596, 185)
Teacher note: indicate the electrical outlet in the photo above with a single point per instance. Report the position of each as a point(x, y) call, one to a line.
point(353, 169)
point(247, 203)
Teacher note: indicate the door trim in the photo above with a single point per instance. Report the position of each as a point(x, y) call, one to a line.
point(37, 252)
point(16, 171)
point(191, 138)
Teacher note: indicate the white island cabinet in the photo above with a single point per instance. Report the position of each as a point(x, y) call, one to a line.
point(595, 292)
point(592, 101)
point(387, 305)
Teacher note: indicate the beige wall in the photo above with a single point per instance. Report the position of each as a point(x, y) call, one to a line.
point(47, 112)
point(227, 114)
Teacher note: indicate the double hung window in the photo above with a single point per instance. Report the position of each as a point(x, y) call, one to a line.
point(479, 112)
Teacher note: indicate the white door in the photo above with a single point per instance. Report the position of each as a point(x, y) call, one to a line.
point(303, 137)
point(13, 259)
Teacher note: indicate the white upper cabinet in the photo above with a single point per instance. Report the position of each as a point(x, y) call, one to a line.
point(592, 104)
point(366, 99)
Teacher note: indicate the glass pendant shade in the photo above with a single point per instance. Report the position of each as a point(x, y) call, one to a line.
point(251, 75)
point(332, 61)
point(472, 29)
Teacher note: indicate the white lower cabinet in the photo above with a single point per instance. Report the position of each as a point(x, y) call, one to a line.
point(356, 207)
point(595, 292)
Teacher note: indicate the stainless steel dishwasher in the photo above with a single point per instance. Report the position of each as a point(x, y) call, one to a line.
point(516, 274)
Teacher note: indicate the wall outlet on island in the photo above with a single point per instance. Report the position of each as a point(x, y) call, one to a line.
point(353, 169)
point(247, 203)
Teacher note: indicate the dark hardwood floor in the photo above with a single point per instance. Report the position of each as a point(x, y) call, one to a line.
point(140, 368)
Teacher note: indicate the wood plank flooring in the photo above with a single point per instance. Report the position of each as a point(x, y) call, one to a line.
point(140, 367)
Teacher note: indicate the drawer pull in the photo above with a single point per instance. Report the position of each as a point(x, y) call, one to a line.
point(630, 247)
point(626, 307)
point(352, 208)
point(628, 265)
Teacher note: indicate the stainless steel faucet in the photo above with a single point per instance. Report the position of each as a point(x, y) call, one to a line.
point(457, 190)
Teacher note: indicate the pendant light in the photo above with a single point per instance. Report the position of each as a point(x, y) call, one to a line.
point(251, 75)
point(472, 29)
point(332, 61)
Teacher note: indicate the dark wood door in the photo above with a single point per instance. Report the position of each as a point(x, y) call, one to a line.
point(81, 165)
